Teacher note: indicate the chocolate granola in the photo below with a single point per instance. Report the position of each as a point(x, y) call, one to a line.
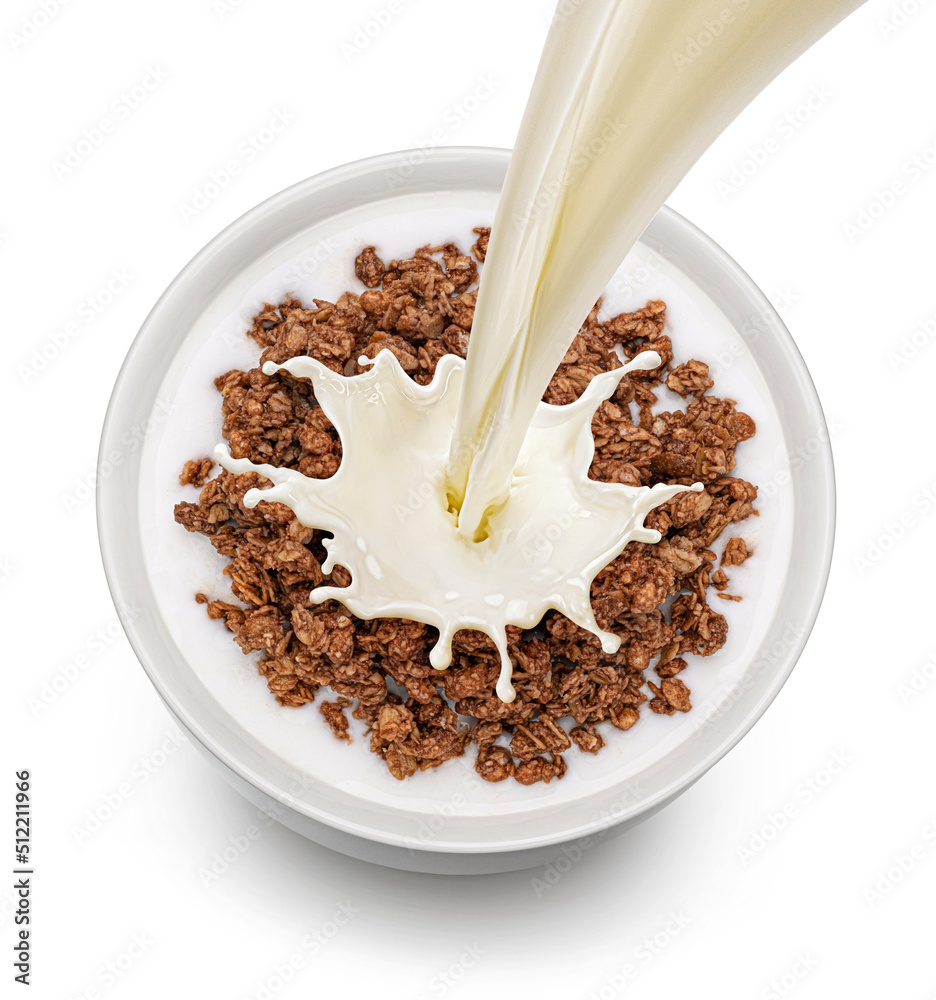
point(417, 717)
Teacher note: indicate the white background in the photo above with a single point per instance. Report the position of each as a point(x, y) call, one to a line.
point(694, 902)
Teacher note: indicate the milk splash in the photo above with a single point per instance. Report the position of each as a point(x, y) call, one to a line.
point(386, 507)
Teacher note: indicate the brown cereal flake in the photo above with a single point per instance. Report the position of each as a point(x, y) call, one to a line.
point(736, 551)
point(690, 379)
point(369, 268)
point(587, 738)
point(479, 249)
point(672, 667)
point(494, 763)
point(676, 694)
point(333, 714)
point(195, 472)
point(528, 772)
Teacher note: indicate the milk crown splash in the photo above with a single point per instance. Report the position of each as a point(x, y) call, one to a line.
point(392, 530)
point(628, 95)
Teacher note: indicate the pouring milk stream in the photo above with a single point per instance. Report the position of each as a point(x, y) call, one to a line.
point(489, 518)
point(627, 96)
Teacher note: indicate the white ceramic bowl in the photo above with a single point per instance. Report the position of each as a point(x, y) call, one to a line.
point(165, 410)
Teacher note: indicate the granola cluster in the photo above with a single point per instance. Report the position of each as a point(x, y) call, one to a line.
point(417, 717)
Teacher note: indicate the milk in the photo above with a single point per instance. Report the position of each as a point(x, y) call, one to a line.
point(628, 95)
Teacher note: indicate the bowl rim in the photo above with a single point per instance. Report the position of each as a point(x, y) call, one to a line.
point(115, 557)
